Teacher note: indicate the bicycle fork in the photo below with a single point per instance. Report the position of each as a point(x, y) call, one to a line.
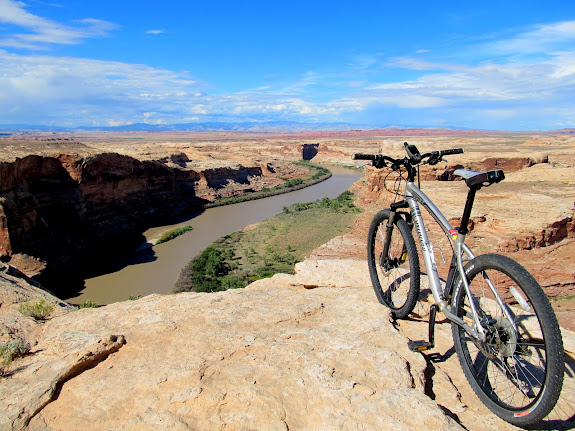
point(384, 260)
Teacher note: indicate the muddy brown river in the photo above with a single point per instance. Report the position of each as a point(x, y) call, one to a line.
point(156, 269)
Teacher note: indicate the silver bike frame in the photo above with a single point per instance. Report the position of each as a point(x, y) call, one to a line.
point(414, 196)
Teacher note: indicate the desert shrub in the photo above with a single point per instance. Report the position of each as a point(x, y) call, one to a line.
point(343, 203)
point(89, 304)
point(206, 271)
point(292, 183)
point(173, 234)
point(232, 283)
point(10, 350)
point(39, 310)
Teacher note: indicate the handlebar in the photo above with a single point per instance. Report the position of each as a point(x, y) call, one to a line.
point(363, 156)
point(414, 157)
point(454, 151)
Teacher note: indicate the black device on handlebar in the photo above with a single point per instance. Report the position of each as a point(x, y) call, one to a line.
point(413, 153)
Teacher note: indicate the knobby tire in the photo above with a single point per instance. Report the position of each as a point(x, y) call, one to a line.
point(518, 375)
point(398, 287)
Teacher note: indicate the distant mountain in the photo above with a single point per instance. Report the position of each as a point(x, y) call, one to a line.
point(564, 131)
point(268, 126)
point(31, 128)
point(253, 126)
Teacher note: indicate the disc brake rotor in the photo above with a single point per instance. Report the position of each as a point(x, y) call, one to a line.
point(501, 339)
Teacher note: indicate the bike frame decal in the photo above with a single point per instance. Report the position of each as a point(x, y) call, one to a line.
point(526, 412)
point(453, 233)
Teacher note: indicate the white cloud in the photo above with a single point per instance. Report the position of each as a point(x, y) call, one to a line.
point(538, 39)
point(508, 86)
point(40, 89)
point(41, 32)
point(61, 87)
point(496, 89)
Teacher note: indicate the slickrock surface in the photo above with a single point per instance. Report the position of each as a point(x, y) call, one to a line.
point(332, 273)
point(273, 356)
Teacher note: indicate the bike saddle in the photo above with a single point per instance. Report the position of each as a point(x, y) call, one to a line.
point(477, 178)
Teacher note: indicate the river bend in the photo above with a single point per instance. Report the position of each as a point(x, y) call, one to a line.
point(156, 269)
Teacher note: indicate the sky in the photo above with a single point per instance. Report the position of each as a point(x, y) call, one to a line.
point(495, 65)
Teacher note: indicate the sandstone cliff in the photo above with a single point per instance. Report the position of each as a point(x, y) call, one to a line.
point(70, 210)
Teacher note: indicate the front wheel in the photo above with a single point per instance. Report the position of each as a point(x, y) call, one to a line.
point(395, 277)
point(517, 372)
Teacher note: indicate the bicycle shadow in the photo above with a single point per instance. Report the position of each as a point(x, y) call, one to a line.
point(561, 418)
point(565, 407)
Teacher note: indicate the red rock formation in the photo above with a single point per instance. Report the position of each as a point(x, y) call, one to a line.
point(508, 165)
point(551, 234)
point(65, 209)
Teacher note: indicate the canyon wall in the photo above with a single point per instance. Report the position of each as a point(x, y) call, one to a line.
point(65, 209)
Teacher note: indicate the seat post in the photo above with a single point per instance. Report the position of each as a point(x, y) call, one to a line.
point(467, 211)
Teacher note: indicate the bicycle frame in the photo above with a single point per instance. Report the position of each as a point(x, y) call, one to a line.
point(414, 196)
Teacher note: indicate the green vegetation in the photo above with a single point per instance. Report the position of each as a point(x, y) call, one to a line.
point(320, 171)
point(39, 310)
point(559, 299)
point(317, 174)
point(89, 304)
point(272, 246)
point(173, 234)
point(343, 203)
point(10, 350)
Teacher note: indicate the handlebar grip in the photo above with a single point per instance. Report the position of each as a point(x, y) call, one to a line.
point(363, 157)
point(454, 151)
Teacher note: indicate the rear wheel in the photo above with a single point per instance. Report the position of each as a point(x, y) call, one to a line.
point(395, 277)
point(518, 371)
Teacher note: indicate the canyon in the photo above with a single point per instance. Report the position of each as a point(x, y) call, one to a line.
point(312, 350)
point(68, 200)
point(63, 211)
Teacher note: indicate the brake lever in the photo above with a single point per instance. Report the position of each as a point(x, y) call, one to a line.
point(361, 165)
point(379, 163)
point(435, 161)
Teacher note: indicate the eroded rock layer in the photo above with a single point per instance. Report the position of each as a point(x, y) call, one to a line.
point(64, 209)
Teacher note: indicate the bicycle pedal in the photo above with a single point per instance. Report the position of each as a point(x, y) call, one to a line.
point(419, 345)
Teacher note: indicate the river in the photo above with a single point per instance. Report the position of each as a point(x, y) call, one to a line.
point(156, 269)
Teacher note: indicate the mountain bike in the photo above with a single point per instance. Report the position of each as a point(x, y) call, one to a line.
point(504, 330)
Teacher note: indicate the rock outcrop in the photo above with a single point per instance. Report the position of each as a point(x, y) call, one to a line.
point(273, 356)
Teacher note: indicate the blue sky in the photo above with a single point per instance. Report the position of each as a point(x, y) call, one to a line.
point(489, 65)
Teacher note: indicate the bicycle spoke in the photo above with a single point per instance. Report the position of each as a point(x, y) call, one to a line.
point(512, 366)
